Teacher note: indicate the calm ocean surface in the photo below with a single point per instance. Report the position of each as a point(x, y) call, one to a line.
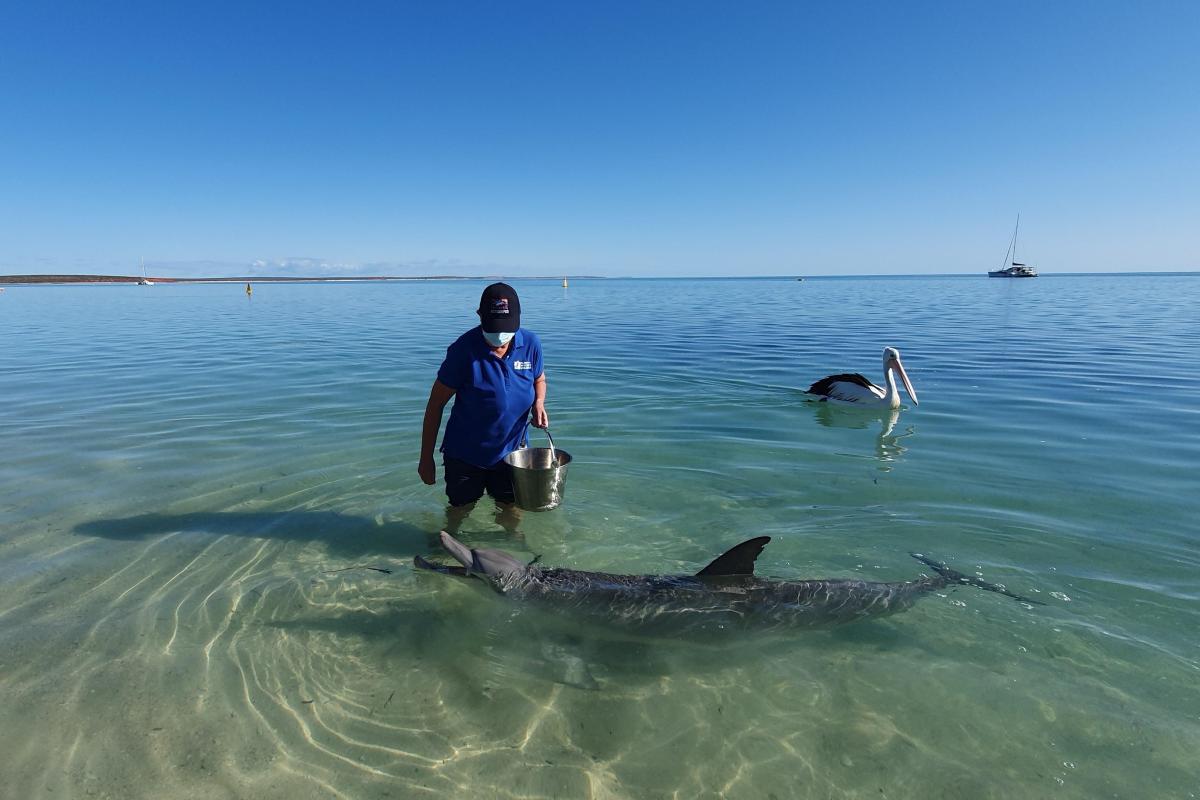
point(192, 481)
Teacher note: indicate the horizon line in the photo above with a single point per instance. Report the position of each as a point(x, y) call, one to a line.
point(72, 278)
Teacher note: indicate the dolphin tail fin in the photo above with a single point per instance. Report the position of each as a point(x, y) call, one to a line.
point(951, 576)
point(737, 560)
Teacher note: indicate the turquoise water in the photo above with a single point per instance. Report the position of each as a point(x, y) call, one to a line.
point(193, 481)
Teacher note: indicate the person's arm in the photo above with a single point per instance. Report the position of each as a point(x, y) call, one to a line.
point(439, 395)
point(540, 418)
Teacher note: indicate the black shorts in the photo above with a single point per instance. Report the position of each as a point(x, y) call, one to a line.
point(465, 482)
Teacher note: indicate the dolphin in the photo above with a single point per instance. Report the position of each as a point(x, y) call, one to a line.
point(725, 595)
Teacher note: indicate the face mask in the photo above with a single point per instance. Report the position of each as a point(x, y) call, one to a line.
point(498, 339)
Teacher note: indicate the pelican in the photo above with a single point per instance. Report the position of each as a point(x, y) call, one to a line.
point(857, 390)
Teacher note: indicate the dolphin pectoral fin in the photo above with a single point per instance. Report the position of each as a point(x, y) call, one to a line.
point(460, 572)
point(737, 560)
point(954, 576)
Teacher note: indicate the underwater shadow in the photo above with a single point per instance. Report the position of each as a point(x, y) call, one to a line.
point(541, 645)
point(343, 534)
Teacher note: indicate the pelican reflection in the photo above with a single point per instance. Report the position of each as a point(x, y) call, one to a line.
point(887, 443)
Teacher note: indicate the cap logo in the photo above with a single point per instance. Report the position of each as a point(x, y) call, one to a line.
point(500, 305)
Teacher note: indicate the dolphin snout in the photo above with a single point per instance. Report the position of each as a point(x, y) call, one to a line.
point(462, 554)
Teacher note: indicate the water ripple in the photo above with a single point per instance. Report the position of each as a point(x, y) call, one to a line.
point(193, 484)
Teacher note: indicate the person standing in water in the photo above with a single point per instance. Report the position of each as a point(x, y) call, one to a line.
point(494, 373)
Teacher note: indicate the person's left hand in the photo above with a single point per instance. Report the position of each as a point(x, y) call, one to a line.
point(540, 418)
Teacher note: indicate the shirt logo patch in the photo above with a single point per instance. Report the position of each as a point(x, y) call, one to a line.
point(522, 365)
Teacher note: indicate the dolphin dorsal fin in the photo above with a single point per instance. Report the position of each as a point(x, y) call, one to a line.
point(737, 560)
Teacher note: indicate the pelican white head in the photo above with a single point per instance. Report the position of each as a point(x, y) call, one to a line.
point(891, 361)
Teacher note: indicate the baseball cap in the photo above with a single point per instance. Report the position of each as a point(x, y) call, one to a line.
point(500, 309)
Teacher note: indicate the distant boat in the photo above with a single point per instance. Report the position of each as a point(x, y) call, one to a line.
point(1015, 269)
point(144, 281)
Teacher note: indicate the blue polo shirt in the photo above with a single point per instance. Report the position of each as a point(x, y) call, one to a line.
point(492, 396)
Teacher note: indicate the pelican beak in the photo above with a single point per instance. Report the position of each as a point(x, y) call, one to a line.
point(904, 379)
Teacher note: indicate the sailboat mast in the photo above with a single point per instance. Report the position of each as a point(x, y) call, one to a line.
point(1015, 231)
point(1012, 248)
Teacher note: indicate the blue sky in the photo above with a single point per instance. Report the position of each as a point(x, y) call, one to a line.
point(683, 138)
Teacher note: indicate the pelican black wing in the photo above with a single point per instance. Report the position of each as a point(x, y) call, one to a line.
point(825, 385)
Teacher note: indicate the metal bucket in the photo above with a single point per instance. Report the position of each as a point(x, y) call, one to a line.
point(539, 476)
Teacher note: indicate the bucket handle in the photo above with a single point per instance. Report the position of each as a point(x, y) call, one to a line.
point(553, 455)
point(545, 430)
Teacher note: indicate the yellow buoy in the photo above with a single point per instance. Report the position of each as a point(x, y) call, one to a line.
point(249, 291)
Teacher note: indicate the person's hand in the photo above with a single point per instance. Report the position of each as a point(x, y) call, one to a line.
point(427, 470)
point(540, 418)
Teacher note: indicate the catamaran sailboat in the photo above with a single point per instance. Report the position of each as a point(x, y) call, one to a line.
point(144, 281)
point(1015, 269)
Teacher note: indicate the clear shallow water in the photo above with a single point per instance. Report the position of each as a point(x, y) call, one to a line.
point(184, 469)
